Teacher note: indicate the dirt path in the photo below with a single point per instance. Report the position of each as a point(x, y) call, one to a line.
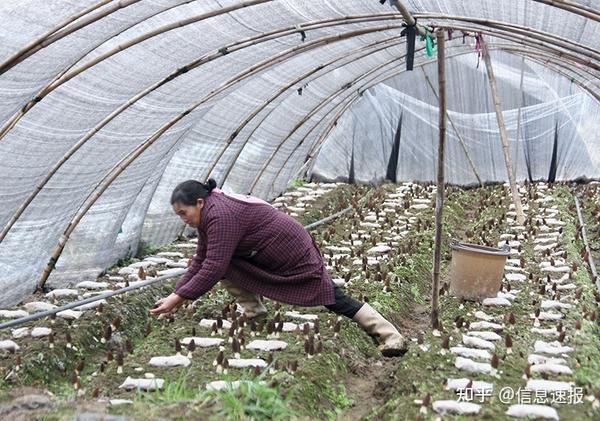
point(370, 384)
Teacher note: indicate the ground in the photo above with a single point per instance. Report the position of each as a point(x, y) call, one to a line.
point(348, 379)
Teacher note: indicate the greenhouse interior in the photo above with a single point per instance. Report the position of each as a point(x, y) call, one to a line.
point(299, 210)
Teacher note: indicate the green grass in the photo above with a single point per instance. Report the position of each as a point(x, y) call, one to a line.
point(252, 400)
point(297, 182)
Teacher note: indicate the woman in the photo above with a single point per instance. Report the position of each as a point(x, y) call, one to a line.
point(261, 251)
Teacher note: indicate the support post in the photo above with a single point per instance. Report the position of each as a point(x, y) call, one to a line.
point(503, 135)
point(439, 202)
point(518, 152)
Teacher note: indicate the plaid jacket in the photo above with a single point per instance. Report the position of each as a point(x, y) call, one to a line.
point(259, 248)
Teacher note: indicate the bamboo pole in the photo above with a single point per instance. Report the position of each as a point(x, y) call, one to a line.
point(572, 7)
point(439, 202)
point(503, 134)
point(458, 135)
point(36, 44)
point(139, 149)
point(588, 250)
point(517, 152)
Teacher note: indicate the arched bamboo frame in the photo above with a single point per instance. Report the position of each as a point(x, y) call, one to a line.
point(208, 57)
point(138, 150)
point(571, 54)
point(106, 184)
point(545, 37)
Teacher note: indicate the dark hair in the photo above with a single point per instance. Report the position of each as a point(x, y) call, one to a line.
point(190, 191)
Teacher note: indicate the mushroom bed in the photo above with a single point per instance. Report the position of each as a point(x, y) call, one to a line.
point(538, 339)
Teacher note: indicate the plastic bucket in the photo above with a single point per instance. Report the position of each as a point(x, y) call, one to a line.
point(476, 271)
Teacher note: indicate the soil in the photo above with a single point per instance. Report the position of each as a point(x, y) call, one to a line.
point(370, 384)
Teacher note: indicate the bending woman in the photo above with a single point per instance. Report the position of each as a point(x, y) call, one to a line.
point(261, 251)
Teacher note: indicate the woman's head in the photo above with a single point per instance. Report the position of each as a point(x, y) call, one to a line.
point(187, 200)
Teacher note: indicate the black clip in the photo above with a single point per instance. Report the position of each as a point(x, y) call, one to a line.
point(411, 35)
point(302, 33)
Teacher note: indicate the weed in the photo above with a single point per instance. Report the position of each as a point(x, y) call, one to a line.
point(251, 400)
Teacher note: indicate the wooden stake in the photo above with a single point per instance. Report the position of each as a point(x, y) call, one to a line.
point(519, 117)
point(503, 134)
point(439, 202)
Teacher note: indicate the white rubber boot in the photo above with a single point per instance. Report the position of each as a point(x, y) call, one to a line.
point(251, 303)
point(391, 342)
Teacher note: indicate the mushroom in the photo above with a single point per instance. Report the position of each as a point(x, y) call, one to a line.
point(191, 348)
point(120, 361)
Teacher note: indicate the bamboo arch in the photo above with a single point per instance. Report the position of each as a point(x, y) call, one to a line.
point(498, 26)
point(236, 46)
point(69, 75)
point(538, 45)
point(119, 168)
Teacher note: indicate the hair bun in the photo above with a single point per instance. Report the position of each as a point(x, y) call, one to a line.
point(211, 184)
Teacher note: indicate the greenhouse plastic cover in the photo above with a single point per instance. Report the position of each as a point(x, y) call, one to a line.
point(106, 105)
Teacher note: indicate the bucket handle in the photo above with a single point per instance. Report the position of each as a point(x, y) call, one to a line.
point(505, 247)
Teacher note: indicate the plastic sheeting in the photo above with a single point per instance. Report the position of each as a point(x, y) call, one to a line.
point(396, 122)
point(253, 115)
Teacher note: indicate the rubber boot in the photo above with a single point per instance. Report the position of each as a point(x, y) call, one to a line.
point(252, 305)
point(391, 342)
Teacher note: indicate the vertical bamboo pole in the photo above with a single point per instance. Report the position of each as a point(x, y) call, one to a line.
point(503, 134)
point(439, 202)
point(519, 117)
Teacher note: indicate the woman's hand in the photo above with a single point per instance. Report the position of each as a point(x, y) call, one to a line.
point(169, 304)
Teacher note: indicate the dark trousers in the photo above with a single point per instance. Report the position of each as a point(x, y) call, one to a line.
point(344, 304)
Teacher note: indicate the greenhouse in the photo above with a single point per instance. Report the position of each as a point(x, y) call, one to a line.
point(276, 209)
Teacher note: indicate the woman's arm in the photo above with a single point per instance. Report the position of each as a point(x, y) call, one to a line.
point(223, 234)
point(196, 261)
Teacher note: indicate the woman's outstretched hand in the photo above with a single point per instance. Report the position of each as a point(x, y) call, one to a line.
point(168, 304)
